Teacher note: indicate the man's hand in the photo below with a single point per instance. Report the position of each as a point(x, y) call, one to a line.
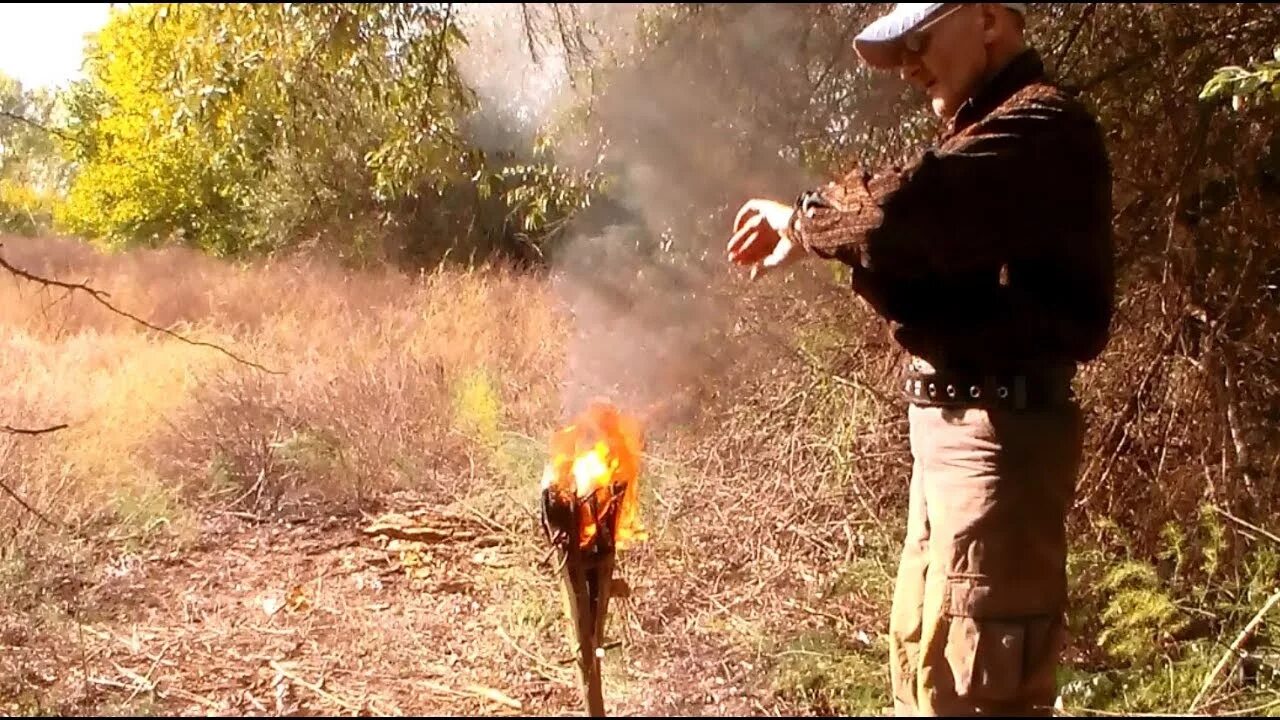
point(760, 237)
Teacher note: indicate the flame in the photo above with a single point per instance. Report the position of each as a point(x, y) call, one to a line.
point(598, 456)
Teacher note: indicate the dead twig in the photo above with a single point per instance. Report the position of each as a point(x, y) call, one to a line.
point(476, 691)
point(792, 604)
point(192, 697)
point(283, 672)
point(101, 296)
point(1060, 54)
point(1254, 711)
point(18, 499)
point(37, 431)
point(146, 683)
point(543, 663)
point(1247, 525)
point(420, 534)
point(1233, 653)
point(20, 118)
point(108, 682)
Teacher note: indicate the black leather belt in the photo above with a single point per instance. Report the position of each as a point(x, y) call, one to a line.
point(1019, 391)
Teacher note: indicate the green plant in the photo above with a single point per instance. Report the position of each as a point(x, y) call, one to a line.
point(1140, 616)
point(1261, 79)
point(833, 675)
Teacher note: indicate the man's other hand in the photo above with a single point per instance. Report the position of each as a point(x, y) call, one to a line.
point(760, 237)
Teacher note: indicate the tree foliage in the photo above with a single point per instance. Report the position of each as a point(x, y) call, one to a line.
point(30, 171)
point(247, 127)
point(251, 128)
point(1238, 83)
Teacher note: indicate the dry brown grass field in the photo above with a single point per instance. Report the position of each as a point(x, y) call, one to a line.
point(195, 541)
point(201, 546)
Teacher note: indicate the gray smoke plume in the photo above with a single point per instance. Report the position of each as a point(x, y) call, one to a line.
point(643, 274)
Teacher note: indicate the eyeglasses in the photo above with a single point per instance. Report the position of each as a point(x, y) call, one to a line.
point(916, 42)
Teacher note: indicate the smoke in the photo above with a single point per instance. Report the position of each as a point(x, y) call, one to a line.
point(516, 94)
point(688, 131)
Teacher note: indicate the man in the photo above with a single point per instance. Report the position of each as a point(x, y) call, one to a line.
point(991, 255)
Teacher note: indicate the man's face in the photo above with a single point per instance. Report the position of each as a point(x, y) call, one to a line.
point(947, 57)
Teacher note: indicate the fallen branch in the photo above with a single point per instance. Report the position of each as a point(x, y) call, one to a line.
point(540, 661)
point(478, 691)
point(283, 672)
point(1234, 651)
point(108, 682)
point(428, 528)
point(150, 684)
point(192, 697)
point(101, 296)
point(419, 534)
point(1255, 711)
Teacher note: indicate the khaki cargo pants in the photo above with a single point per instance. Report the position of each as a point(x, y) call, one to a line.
point(978, 611)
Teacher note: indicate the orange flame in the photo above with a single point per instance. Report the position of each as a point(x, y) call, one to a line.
point(598, 456)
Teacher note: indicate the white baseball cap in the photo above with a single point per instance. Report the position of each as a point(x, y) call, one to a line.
point(877, 42)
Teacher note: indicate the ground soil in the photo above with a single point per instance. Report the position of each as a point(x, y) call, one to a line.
point(320, 616)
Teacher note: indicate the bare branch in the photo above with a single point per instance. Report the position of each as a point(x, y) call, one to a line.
point(1061, 53)
point(1235, 652)
point(441, 39)
point(26, 431)
point(835, 58)
point(18, 117)
point(1178, 46)
point(100, 296)
point(27, 507)
point(1248, 525)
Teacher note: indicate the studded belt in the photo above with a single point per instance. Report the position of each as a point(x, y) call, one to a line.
point(1019, 391)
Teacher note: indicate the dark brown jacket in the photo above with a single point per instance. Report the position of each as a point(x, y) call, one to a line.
point(993, 251)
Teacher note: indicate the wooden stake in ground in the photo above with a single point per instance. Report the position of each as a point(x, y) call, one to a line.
point(589, 511)
point(584, 583)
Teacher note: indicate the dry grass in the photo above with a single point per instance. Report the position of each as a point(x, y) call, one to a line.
point(189, 487)
point(371, 371)
point(438, 390)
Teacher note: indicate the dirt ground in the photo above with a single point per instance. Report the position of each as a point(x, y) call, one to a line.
point(321, 616)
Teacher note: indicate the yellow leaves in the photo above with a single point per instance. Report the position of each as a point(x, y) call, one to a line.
point(146, 177)
point(23, 201)
point(233, 127)
point(296, 600)
point(414, 558)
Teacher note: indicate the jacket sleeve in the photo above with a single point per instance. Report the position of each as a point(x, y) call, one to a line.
point(946, 213)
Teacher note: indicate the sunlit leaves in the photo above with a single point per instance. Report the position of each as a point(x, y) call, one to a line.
point(31, 172)
point(1241, 84)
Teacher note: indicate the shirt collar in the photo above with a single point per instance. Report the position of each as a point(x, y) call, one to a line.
point(1025, 68)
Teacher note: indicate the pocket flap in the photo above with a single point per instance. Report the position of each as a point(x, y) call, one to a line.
point(980, 598)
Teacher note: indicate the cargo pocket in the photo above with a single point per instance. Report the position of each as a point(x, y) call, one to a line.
point(990, 631)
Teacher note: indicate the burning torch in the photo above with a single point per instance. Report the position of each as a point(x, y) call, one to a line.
point(590, 509)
